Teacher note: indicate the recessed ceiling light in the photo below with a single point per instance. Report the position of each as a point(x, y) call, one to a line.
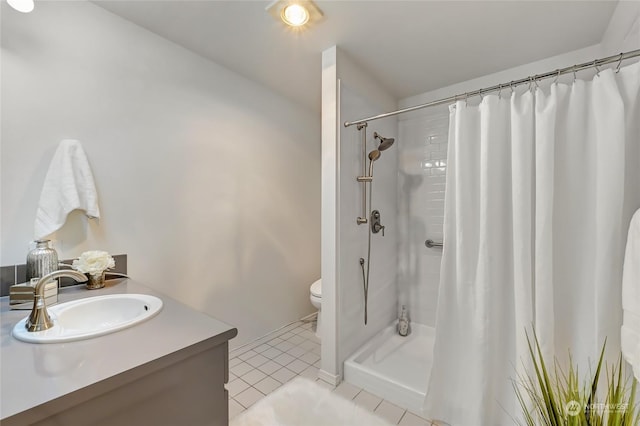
point(295, 13)
point(24, 6)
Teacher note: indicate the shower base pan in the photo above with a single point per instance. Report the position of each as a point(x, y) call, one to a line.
point(393, 367)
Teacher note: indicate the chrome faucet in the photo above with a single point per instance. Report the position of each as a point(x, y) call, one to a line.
point(39, 319)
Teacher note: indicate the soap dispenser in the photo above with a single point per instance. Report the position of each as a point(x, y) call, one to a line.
point(403, 323)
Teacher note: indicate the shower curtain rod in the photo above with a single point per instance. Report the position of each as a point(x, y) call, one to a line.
point(531, 80)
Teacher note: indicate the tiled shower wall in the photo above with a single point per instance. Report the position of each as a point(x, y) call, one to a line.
point(422, 163)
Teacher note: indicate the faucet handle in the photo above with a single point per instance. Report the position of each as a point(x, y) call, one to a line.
point(377, 228)
point(39, 319)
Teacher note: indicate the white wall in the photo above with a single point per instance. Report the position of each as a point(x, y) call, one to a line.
point(348, 94)
point(208, 181)
point(623, 31)
point(330, 369)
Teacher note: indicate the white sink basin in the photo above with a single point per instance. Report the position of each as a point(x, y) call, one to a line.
point(92, 317)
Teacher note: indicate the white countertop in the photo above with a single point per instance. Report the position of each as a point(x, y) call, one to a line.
point(33, 374)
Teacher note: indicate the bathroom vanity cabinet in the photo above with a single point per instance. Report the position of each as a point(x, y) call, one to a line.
point(169, 370)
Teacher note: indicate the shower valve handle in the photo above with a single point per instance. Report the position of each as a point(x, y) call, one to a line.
point(376, 226)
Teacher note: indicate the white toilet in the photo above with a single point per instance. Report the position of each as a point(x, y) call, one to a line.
point(316, 300)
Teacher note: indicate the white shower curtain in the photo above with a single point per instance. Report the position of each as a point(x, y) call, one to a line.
point(540, 191)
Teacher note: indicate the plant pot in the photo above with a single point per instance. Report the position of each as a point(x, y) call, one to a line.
point(95, 281)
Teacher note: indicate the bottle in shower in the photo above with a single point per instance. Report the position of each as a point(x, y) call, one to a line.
point(404, 328)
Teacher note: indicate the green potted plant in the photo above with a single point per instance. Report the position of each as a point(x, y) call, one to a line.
point(553, 398)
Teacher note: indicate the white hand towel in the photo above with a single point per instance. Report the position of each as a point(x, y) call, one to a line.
point(68, 186)
point(630, 331)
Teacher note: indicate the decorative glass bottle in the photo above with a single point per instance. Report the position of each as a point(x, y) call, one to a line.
point(42, 260)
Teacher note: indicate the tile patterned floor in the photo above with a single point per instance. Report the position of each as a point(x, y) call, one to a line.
point(257, 369)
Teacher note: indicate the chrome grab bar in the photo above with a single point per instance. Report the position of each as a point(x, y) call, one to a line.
point(431, 244)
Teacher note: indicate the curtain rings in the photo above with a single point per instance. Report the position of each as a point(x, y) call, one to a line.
point(466, 99)
point(575, 77)
point(500, 91)
point(619, 63)
point(555, 80)
point(480, 93)
point(530, 83)
point(511, 87)
point(595, 65)
point(535, 81)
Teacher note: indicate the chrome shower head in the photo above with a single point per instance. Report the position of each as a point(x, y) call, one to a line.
point(385, 143)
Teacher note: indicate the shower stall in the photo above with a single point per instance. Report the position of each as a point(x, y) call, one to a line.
point(407, 156)
point(401, 269)
point(389, 365)
point(408, 190)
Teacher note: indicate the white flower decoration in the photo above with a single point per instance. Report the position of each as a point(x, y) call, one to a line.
point(94, 262)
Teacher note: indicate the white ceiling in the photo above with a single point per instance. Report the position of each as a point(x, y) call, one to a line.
point(410, 47)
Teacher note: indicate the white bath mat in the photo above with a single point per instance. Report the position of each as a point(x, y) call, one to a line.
point(302, 402)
